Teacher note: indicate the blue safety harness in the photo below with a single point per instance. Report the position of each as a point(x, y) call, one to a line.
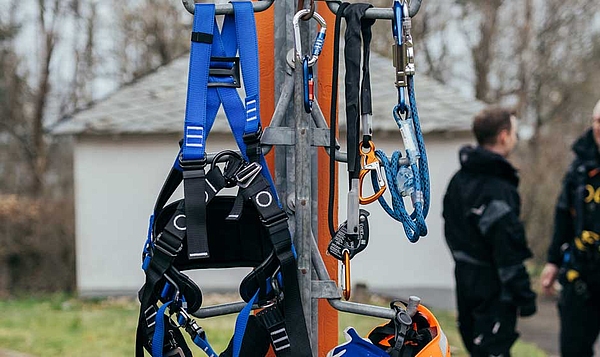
point(204, 230)
point(408, 177)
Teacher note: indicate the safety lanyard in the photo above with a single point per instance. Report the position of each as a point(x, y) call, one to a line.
point(409, 175)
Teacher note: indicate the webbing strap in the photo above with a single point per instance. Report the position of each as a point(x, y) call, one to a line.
point(275, 221)
point(356, 24)
point(194, 139)
point(159, 331)
point(196, 129)
point(240, 326)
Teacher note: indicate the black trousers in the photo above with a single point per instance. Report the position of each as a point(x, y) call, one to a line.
point(488, 332)
point(487, 326)
point(579, 309)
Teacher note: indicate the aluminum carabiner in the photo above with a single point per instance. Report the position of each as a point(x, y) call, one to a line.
point(309, 85)
point(370, 162)
point(319, 40)
point(346, 268)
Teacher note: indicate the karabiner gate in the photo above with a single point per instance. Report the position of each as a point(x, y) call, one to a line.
point(308, 61)
point(370, 163)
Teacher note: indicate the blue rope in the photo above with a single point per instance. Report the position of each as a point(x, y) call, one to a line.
point(415, 176)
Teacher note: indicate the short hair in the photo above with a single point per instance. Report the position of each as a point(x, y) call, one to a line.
point(596, 111)
point(488, 123)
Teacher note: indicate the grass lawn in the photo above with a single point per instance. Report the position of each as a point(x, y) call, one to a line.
point(67, 327)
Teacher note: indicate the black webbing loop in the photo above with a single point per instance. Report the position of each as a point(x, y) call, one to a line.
point(356, 24)
point(194, 187)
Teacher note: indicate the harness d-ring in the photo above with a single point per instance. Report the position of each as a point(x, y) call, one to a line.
point(370, 163)
point(346, 268)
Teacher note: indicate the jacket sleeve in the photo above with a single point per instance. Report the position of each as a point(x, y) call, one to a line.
point(504, 231)
point(564, 229)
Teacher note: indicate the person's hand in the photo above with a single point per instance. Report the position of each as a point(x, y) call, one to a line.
point(548, 278)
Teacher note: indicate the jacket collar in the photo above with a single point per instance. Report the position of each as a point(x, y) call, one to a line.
point(482, 161)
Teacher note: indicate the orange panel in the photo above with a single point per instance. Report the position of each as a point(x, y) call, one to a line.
point(265, 30)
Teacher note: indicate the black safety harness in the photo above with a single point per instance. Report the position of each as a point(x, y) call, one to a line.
point(246, 230)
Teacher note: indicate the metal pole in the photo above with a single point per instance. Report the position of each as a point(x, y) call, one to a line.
point(303, 215)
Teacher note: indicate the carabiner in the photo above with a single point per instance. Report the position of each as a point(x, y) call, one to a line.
point(370, 162)
point(309, 85)
point(346, 270)
point(402, 49)
point(319, 40)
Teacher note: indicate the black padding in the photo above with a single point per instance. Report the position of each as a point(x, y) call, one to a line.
point(187, 288)
point(232, 243)
point(257, 279)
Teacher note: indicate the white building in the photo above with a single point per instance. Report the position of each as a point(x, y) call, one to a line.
point(125, 145)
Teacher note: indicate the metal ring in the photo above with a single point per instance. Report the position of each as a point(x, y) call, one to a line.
point(309, 15)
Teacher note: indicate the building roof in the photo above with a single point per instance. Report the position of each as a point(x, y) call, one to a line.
point(155, 104)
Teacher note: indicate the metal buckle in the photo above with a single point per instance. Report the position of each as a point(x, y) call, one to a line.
point(246, 174)
point(165, 248)
point(281, 217)
point(232, 72)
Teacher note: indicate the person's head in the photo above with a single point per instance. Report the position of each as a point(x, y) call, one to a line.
point(495, 129)
point(596, 123)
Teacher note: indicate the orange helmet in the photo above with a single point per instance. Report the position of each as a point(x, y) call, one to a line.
point(424, 339)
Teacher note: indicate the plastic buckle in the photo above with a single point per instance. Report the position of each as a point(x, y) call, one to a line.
point(252, 137)
point(224, 67)
point(191, 164)
point(246, 174)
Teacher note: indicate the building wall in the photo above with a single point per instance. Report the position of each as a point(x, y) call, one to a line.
point(117, 180)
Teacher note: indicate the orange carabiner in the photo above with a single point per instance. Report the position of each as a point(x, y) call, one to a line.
point(346, 267)
point(370, 162)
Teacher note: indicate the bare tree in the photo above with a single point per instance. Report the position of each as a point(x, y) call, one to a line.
point(149, 34)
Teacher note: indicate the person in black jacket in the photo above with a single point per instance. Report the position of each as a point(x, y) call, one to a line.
point(487, 239)
point(574, 254)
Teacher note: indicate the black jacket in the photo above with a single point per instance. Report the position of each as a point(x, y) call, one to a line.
point(484, 233)
point(578, 206)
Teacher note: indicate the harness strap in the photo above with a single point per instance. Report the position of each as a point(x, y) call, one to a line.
point(192, 158)
point(275, 221)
